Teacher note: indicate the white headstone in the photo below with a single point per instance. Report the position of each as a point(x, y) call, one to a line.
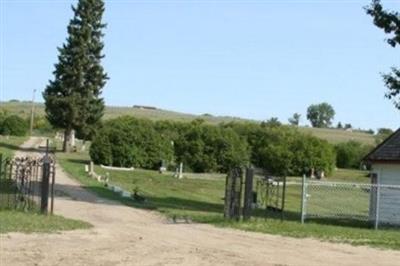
point(72, 138)
point(91, 168)
point(180, 171)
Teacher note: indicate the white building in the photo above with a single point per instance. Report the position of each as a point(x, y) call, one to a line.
point(385, 172)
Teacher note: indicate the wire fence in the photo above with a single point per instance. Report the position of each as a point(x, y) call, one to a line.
point(371, 203)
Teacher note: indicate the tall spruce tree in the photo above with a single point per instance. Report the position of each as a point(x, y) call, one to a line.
point(389, 21)
point(73, 98)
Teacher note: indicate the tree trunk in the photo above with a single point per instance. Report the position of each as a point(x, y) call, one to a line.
point(67, 134)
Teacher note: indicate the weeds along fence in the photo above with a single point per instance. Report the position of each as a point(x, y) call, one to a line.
point(26, 183)
point(371, 204)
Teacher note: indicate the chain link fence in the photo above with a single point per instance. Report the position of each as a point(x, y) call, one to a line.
point(370, 203)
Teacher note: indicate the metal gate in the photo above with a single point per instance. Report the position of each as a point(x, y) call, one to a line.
point(27, 183)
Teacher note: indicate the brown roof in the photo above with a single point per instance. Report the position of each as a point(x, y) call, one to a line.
point(387, 151)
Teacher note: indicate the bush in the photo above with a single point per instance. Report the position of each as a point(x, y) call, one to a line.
point(311, 152)
point(42, 125)
point(127, 142)
point(204, 148)
point(100, 150)
point(350, 154)
point(15, 126)
point(283, 150)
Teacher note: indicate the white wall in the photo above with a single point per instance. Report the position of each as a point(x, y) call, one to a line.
point(389, 202)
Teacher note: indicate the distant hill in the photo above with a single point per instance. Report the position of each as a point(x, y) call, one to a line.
point(153, 113)
point(331, 135)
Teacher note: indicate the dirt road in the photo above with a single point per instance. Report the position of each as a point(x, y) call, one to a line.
point(126, 236)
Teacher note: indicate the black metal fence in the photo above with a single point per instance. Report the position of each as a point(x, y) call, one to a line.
point(27, 183)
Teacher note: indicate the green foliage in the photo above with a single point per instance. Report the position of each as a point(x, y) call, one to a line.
point(320, 115)
point(204, 148)
point(14, 125)
point(348, 126)
point(72, 98)
point(311, 152)
point(100, 150)
point(284, 150)
point(295, 119)
point(350, 154)
point(389, 22)
point(127, 142)
point(382, 134)
point(42, 125)
point(272, 122)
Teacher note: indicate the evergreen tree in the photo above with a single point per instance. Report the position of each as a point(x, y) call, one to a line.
point(72, 98)
point(389, 21)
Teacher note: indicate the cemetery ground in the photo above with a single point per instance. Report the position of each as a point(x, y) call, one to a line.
point(127, 235)
point(199, 198)
point(26, 221)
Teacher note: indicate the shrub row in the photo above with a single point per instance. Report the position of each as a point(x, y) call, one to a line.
point(127, 141)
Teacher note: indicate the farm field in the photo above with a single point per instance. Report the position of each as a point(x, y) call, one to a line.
point(336, 136)
point(27, 221)
point(201, 200)
point(332, 135)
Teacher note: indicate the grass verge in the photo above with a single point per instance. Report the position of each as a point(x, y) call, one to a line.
point(31, 222)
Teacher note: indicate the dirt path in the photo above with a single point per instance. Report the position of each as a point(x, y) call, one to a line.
point(128, 236)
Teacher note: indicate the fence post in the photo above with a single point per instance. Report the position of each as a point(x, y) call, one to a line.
point(1, 164)
point(228, 195)
point(303, 199)
point(248, 193)
point(283, 198)
point(53, 175)
point(45, 182)
point(377, 210)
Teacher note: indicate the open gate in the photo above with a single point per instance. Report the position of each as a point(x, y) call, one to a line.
point(27, 183)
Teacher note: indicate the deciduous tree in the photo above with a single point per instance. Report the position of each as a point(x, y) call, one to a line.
point(389, 22)
point(320, 115)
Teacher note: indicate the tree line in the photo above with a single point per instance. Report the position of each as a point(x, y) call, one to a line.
point(281, 150)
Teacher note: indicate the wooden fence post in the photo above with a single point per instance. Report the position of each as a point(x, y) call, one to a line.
point(248, 193)
point(233, 192)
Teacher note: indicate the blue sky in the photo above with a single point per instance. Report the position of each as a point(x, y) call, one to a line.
point(253, 59)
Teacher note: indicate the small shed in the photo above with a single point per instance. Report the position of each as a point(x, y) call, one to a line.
point(385, 173)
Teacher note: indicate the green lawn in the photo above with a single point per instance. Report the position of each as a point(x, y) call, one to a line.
point(201, 200)
point(350, 175)
point(12, 220)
